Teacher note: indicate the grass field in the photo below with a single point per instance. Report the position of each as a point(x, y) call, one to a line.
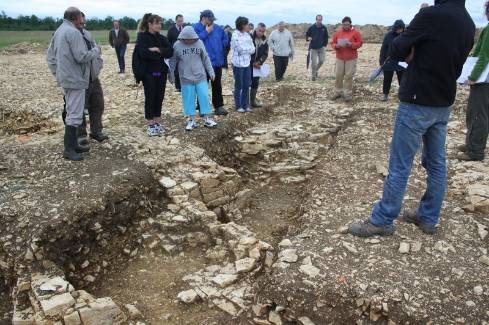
point(13, 37)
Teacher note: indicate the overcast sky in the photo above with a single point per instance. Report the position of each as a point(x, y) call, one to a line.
point(383, 12)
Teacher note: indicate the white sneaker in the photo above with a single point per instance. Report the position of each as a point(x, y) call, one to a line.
point(160, 129)
point(241, 110)
point(248, 110)
point(190, 125)
point(152, 131)
point(210, 123)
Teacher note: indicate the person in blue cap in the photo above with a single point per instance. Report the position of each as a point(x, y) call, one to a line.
point(215, 40)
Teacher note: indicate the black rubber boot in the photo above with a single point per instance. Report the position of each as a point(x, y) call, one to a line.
point(70, 143)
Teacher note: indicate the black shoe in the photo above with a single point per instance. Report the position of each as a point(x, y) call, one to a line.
point(83, 141)
point(82, 149)
point(462, 148)
point(221, 111)
point(100, 137)
point(70, 144)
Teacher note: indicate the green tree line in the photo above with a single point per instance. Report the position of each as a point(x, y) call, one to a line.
point(49, 23)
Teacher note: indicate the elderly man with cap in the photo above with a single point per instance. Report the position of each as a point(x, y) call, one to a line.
point(69, 58)
point(215, 41)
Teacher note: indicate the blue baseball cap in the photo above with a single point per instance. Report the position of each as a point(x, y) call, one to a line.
point(208, 14)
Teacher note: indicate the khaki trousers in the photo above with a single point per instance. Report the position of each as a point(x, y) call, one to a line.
point(345, 70)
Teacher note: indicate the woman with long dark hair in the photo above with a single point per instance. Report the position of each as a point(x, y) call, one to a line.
point(152, 49)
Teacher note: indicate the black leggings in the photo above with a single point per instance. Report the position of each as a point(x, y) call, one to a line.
point(154, 93)
point(388, 75)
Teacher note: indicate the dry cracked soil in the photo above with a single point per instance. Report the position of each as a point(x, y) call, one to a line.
point(242, 224)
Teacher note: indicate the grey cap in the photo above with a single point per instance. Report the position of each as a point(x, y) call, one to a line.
point(188, 32)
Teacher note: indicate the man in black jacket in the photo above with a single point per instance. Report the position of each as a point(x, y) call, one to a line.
point(172, 36)
point(317, 35)
point(436, 45)
point(257, 60)
point(118, 39)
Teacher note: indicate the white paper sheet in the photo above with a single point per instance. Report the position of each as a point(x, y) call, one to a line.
point(263, 72)
point(467, 70)
point(403, 64)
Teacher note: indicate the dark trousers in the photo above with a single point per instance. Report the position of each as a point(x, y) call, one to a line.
point(154, 93)
point(281, 63)
point(255, 81)
point(94, 104)
point(477, 120)
point(178, 86)
point(120, 51)
point(388, 75)
point(217, 100)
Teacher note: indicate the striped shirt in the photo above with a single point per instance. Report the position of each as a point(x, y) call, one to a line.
point(242, 48)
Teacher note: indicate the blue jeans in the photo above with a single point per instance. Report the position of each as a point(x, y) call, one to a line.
point(121, 52)
point(415, 124)
point(242, 83)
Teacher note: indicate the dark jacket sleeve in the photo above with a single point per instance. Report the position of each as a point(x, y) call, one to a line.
point(384, 50)
point(144, 43)
point(414, 34)
point(126, 37)
point(111, 38)
point(224, 38)
point(264, 55)
point(172, 35)
point(309, 32)
point(165, 48)
point(326, 36)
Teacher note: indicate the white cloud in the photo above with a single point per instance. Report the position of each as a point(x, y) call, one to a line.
point(269, 11)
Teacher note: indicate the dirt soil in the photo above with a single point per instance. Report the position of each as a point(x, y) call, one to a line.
point(306, 167)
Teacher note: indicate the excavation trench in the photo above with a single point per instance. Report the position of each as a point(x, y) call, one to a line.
point(132, 248)
point(264, 204)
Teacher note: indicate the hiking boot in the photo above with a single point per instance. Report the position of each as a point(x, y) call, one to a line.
point(367, 229)
point(210, 123)
point(190, 125)
point(336, 96)
point(384, 98)
point(348, 98)
point(464, 156)
point(70, 144)
point(83, 141)
point(248, 110)
point(221, 111)
point(411, 217)
point(241, 110)
point(99, 137)
point(462, 148)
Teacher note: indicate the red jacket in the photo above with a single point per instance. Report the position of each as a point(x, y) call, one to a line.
point(348, 52)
